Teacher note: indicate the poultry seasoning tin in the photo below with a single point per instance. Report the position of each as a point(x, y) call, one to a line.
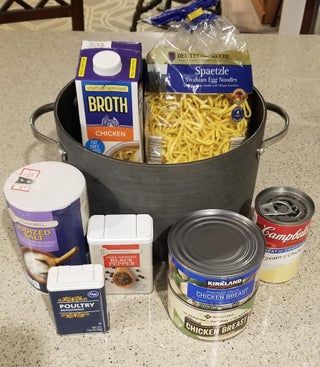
point(284, 216)
point(77, 295)
point(47, 202)
point(214, 258)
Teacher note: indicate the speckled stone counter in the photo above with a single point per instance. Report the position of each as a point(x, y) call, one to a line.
point(284, 327)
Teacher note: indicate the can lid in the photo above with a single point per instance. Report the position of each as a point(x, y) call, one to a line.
point(284, 205)
point(217, 243)
point(75, 277)
point(107, 63)
point(44, 186)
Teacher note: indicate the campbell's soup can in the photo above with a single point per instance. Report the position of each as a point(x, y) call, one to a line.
point(48, 205)
point(284, 215)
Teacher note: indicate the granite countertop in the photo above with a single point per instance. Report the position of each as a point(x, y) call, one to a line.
point(284, 326)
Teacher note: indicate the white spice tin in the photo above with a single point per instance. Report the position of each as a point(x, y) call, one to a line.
point(123, 245)
point(48, 204)
point(78, 299)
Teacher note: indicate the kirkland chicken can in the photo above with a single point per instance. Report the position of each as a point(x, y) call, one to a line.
point(214, 259)
point(284, 216)
point(208, 325)
point(47, 202)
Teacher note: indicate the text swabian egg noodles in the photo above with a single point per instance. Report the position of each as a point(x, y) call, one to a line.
point(199, 80)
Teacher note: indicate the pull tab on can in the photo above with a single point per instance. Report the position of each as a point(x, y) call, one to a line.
point(278, 208)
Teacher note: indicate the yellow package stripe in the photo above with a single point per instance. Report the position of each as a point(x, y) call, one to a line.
point(195, 14)
point(82, 66)
point(133, 68)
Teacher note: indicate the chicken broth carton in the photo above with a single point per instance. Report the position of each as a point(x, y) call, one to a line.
point(109, 93)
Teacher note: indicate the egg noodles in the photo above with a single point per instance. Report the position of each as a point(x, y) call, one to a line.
point(189, 127)
point(198, 87)
point(129, 153)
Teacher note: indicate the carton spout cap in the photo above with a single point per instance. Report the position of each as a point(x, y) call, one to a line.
point(107, 63)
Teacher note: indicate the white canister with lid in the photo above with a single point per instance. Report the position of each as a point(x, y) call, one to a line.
point(122, 243)
point(47, 202)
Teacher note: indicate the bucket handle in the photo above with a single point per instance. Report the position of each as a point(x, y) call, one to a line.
point(273, 139)
point(49, 107)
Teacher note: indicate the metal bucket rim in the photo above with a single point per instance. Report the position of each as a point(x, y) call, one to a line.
point(161, 166)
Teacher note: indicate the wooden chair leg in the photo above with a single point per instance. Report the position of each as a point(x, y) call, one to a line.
point(310, 17)
point(168, 4)
point(77, 15)
point(276, 14)
point(140, 9)
point(136, 16)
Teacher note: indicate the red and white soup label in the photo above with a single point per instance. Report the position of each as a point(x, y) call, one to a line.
point(284, 247)
point(281, 235)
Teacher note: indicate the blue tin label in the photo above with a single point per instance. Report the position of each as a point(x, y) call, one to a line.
point(211, 79)
point(220, 296)
point(213, 291)
point(215, 282)
point(81, 311)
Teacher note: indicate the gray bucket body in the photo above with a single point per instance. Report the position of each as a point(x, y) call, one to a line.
point(166, 192)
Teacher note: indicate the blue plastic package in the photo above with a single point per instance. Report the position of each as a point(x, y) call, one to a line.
point(198, 86)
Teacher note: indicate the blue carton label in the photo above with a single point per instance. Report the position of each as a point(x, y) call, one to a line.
point(110, 107)
point(220, 296)
point(107, 104)
point(211, 79)
point(81, 311)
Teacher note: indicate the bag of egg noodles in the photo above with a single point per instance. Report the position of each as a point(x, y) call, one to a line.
point(198, 87)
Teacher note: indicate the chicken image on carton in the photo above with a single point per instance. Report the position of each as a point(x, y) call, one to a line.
point(109, 93)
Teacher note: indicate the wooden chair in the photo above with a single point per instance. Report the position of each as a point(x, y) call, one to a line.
point(41, 11)
point(296, 17)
